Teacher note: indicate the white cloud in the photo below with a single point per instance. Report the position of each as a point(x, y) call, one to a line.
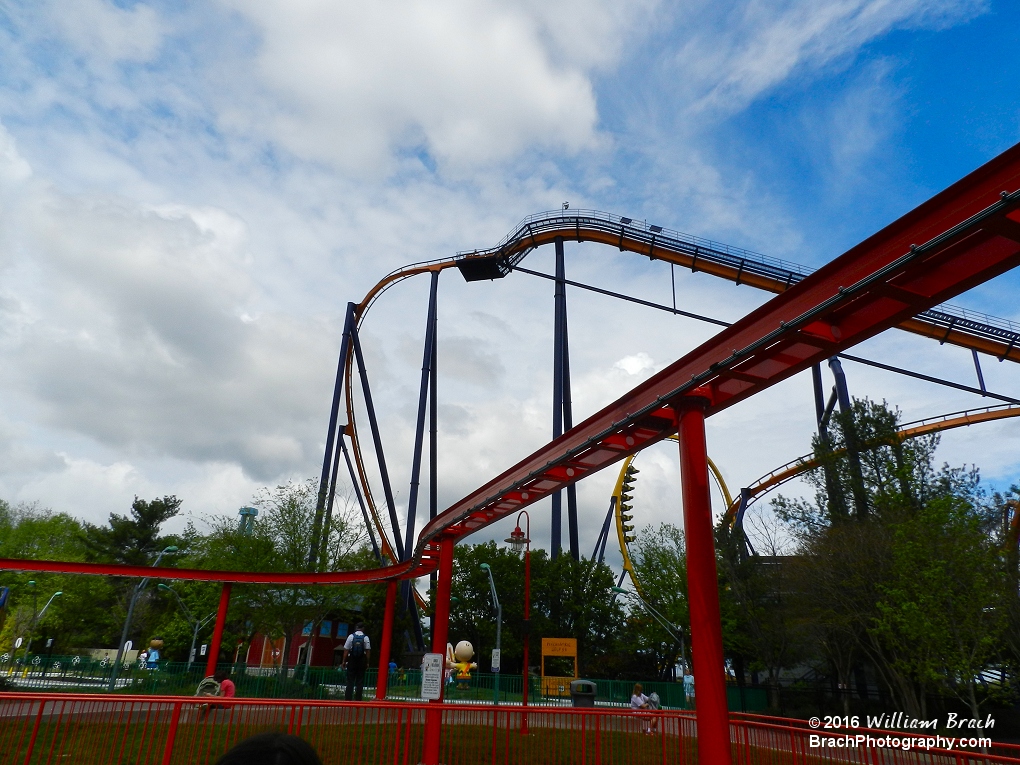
point(176, 267)
point(101, 29)
point(129, 331)
point(758, 44)
point(468, 82)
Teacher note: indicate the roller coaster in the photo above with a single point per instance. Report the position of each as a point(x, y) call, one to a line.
point(621, 509)
point(901, 277)
point(944, 323)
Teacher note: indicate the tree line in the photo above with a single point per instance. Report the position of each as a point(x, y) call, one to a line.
point(898, 574)
point(91, 610)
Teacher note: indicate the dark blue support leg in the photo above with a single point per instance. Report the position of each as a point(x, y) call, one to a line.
point(433, 443)
point(384, 474)
point(328, 455)
point(738, 521)
point(977, 368)
point(557, 429)
point(361, 500)
point(850, 437)
point(599, 553)
point(434, 420)
point(568, 423)
point(816, 380)
point(419, 433)
point(323, 543)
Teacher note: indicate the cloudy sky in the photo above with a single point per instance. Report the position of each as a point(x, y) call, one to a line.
point(190, 193)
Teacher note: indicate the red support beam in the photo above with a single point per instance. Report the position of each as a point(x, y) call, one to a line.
point(217, 638)
point(440, 634)
point(956, 240)
point(385, 641)
point(713, 721)
point(965, 235)
point(406, 570)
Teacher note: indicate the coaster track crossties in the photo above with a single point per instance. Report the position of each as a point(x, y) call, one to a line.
point(963, 236)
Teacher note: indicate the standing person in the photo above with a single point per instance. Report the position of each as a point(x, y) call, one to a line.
point(689, 689)
point(355, 661)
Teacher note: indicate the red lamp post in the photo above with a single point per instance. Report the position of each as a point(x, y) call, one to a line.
point(520, 540)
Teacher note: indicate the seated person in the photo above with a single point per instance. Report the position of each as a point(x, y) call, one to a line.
point(638, 700)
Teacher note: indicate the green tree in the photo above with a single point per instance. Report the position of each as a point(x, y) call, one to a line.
point(133, 539)
point(762, 623)
point(660, 561)
point(81, 618)
point(279, 540)
point(914, 586)
point(568, 599)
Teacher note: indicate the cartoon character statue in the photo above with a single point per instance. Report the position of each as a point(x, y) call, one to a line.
point(458, 660)
point(155, 646)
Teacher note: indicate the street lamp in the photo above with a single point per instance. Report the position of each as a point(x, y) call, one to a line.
point(127, 622)
point(674, 632)
point(518, 541)
point(35, 620)
point(199, 623)
point(499, 629)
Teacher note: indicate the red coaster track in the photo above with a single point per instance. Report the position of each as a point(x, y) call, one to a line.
point(963, 236)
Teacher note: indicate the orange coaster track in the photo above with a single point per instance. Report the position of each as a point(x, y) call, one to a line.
point(963, 236)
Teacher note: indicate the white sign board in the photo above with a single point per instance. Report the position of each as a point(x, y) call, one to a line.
point(18, 642)
point(127, 646)
point(495, 660)
point(432, 676)
point(204, 647)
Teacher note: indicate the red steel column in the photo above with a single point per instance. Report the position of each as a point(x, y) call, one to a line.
point(440, 632)
point(382, 679)
point(217, 637)
point(712, 716)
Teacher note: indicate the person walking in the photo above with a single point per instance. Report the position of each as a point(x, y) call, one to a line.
point(355, 661)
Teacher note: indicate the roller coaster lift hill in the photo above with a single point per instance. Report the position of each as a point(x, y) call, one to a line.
point(899, 277)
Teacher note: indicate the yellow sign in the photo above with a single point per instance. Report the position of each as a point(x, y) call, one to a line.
point(556, 685)
point(559, 647)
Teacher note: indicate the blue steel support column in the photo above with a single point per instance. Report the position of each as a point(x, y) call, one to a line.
point(568, 423)
point(419, 436)
point(361, 500)
point(327, 457)
point(599, 553)
point(419, 433)
point(384, 474)
point(559, 297)
point(816, 383)
point(433, 443)
point(850, 438)
point(322, 545)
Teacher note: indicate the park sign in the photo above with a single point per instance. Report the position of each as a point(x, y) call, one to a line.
point(559, 647)
point(554, 684)
point(432, 676)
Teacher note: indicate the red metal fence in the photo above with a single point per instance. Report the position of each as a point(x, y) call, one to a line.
point(142, 730)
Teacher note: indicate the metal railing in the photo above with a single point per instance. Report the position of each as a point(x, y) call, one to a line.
point(69, 674)
point(89, 730)
point(516, 245)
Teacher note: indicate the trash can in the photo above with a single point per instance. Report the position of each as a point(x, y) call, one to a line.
point(582, 693)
